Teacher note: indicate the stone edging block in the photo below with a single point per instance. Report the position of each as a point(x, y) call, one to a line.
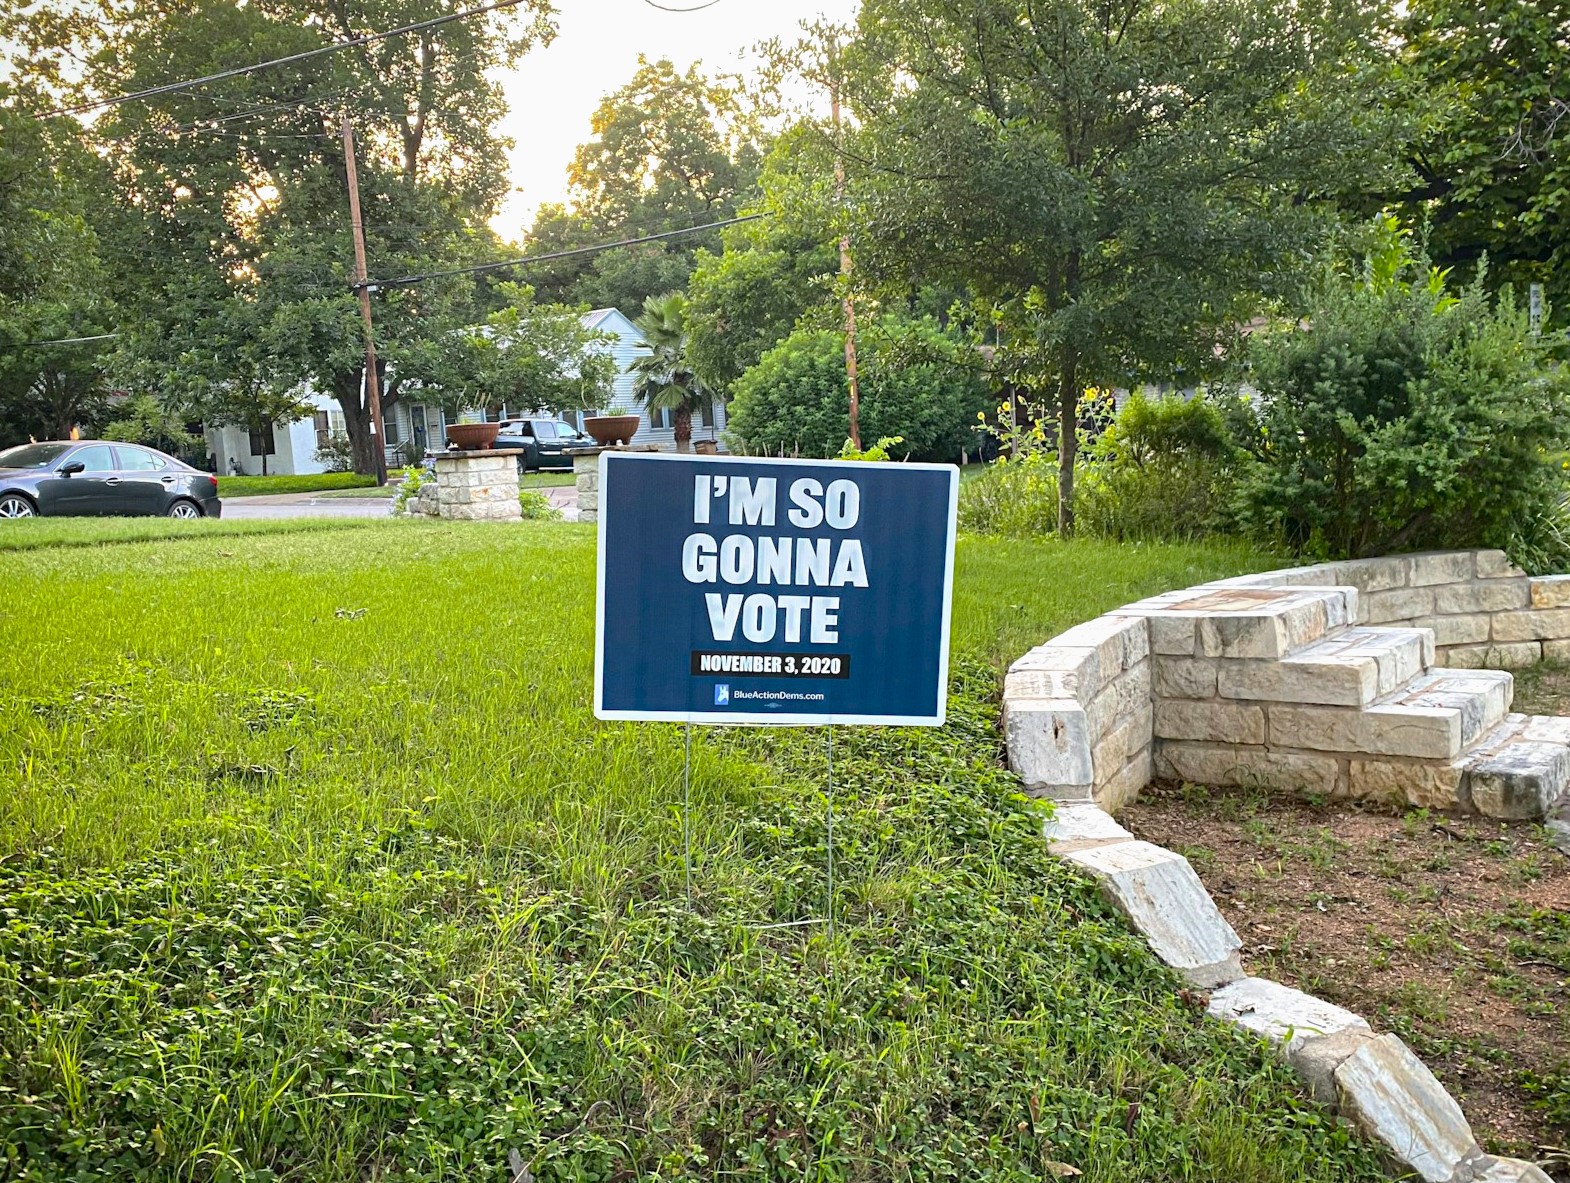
point(1167, 904)
point(1374, 1081)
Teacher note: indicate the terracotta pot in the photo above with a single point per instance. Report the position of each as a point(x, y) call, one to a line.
point(610, 430)
point(472, 436)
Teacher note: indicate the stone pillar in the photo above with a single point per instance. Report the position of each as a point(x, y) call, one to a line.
point(586, 468)
point(478, 486)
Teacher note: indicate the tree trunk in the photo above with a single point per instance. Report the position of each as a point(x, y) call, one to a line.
point(683, 427)
point(356, 421)
point(1068, 437)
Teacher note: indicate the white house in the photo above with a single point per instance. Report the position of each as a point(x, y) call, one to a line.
point(414, 429)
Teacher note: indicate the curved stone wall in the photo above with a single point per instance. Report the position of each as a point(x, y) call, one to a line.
point(1358, 679)
point(1330, 677)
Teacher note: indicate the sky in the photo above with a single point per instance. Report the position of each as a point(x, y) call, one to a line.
point(552, 92)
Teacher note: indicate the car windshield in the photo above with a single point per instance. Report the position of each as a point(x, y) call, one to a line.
point(31, 455)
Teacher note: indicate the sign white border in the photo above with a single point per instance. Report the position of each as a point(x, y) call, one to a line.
point(755, 718)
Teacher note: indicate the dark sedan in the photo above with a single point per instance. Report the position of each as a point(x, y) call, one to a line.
point(89, 478)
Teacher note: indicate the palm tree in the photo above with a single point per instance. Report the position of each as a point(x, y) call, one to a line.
point(664, 378)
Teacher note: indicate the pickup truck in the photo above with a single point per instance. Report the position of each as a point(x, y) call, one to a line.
point(544, 442)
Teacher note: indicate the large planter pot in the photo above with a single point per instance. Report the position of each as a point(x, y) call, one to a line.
point(610, 430)
point(472, 436)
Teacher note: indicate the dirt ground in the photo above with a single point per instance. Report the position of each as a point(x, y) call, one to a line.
point(1452, 933)
point(1543, 690)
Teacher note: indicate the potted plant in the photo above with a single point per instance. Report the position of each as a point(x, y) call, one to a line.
point(612, 429)
point(472, 436)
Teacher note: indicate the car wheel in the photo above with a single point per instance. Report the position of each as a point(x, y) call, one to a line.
point(185, 509)
point(14, 505)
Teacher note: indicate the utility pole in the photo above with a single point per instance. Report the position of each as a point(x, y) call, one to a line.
point(373, 385)
point(845, 261)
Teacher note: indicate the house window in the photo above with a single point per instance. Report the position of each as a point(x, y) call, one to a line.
point(323, 429)
point(662, 418)
point(262, 443)
point(392, 436)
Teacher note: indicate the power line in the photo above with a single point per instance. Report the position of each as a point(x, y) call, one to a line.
point(67, 341)
point(694, 8)
point(170, 87)
point(407, 280)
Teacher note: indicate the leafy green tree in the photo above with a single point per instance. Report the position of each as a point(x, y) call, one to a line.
point(916, 383)
point(669, 150)
point(745, 301)
point(1404, 415)
point(523, 355)
point(52, 280)
point(664, 378)
point(238, 190)
point(1493, 162)
point(142, 419)
point(1115, 182)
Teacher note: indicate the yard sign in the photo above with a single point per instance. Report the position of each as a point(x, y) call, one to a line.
point(773, 591)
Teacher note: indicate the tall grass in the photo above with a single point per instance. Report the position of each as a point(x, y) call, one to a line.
point(315, 866)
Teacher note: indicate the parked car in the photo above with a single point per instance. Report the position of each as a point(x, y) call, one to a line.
point(91, 478)
point(544, 442)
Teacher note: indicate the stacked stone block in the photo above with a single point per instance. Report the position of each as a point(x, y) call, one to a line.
point(1483, 612)
point(1373, 1081)
point(1077, 713)
point(586, 476)
point(1271, 681)
point(478, 486)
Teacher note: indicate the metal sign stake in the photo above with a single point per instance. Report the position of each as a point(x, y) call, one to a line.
point(831, 831)
point(686, 817)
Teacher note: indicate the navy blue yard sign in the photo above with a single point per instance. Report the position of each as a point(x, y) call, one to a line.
point(773, 591)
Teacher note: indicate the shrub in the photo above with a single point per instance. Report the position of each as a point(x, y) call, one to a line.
point(536, 506)
point(1403, 416)
point(143, 420)
point(916, 384)
point(336, 455)
point(1017, 496)
point(1164, 469)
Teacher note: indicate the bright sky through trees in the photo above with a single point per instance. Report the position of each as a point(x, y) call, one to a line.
point(552, 92)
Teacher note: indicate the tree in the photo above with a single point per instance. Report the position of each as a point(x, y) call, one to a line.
point(669, 151)
point(917, 384)
point(142, 419)
point(524, 355)
point(1493, 164)
point(1115, 182)
point(53, 305)
point(1403, 414)
point(664, 380)
point(746, 300)
point(237, 190)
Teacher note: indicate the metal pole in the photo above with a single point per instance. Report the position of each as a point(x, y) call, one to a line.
point(373, 386)
point(849, 303)
point(831, 831)
point(686, 817)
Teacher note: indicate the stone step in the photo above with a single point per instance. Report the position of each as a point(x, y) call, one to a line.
point(1351, 667)
point(1434, 717)
point(1482, 697)
point(1243, 623)
point(1521, 768)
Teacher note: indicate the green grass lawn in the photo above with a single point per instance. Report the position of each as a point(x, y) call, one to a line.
point(258, 486)
point(546, 480)
point(314, 865)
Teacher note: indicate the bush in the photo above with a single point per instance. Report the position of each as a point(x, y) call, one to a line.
point(916, 384)
point(336, 455)
point(143, 420)
point(1407, 417)
point(1017, 495)
point(1164, 469)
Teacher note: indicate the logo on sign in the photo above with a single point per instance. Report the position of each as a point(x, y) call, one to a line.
point(722, 695)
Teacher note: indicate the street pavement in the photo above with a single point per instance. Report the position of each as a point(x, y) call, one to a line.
point(315, 505)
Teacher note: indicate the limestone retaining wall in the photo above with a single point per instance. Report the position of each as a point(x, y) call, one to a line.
point(1482, 611)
